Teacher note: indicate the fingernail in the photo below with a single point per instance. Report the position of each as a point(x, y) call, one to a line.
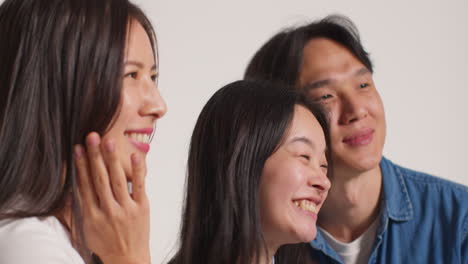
point(110, 146)
point(93, 140)
point(78, 152)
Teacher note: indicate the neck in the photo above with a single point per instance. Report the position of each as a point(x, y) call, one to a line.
point(267, 258)
point(352, 204)
point(264, 260)
point(65, 217)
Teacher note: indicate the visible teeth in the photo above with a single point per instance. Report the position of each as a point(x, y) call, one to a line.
point(144, 138)
point(306, 205)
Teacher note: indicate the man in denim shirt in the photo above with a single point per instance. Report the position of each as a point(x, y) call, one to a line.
point(376, 211)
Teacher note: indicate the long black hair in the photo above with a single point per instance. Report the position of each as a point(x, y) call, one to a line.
point(280, 58)
point(238, 129)
point(60, 78)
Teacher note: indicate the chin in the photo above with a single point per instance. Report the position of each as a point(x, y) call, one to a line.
point(309, 237)
point(360, 163)
point(367, 164)
point(306, 235)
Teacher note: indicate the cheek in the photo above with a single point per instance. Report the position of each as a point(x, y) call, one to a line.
point(333, 114)
point(129, 103)
point(274, 201)
point(272, 191)
point(127, 110)
point(376, 106)
point(280, 186)
point(282, 179)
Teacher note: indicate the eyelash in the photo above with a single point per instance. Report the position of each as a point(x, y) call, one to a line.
point(328, 96)
point(134, 75)
point(307, 157)
point(131, 75)
point(325, 97)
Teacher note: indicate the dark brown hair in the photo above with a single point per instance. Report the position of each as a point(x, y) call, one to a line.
point(280, 58)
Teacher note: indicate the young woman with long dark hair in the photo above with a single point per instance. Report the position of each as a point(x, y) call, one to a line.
point(257, 177)
point(68, 68)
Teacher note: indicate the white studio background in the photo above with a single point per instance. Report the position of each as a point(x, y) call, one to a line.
point(421, 70)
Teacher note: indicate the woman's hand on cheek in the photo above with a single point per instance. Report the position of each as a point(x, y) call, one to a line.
point(116, 223)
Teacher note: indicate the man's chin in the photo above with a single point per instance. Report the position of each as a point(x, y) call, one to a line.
point(357, 164)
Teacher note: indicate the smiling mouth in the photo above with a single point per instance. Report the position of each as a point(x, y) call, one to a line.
point(361, 138)
point(306, 205)
point(140, 137)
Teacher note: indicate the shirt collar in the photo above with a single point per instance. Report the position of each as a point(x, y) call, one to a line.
point(395, 198)
point(320, 244)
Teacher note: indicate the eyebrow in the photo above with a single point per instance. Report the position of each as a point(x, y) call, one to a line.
point(306, 141)
point(362, 71)
point(303, 140)
point(138, 64)
point(316, 84)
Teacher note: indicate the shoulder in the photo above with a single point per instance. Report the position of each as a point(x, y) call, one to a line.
point(431, 195)
point(438, 210)
point(35, 240)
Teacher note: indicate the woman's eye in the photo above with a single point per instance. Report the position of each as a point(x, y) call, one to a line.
point(306, 157)
point(154, 77)
point(132, 75)
point(363, 85)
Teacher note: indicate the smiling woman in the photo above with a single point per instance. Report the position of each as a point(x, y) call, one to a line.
point(257, 177)
point(294, 185)
point(140, 103)
point(71, 67)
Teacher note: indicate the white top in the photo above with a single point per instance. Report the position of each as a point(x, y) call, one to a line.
point(357, 251)
point(36, 240)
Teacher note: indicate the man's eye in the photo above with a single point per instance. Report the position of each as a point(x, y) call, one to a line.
point(363, 85)
point(325, 97)
point(306, 157)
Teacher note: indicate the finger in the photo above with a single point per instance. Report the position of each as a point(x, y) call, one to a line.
point(138, 178)
point(117, 178)
point(99, 171)
point(85, 186)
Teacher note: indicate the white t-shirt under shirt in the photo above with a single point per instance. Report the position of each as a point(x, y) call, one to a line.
point(357, 251)
point(36, 240)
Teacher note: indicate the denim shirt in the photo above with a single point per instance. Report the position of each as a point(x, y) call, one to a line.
point(424, 219)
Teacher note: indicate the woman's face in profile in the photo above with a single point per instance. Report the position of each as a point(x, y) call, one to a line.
point(294, 183)
point(141, 103)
